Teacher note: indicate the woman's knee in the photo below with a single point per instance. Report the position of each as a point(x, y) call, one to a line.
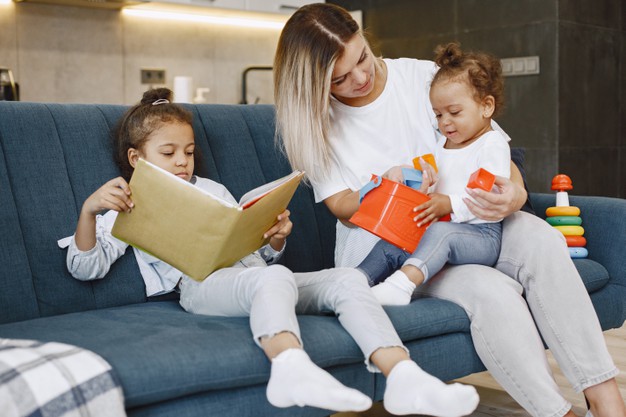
point(523, 231)
point(476, 288)
point(530, 243)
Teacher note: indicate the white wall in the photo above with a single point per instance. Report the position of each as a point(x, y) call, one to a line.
point(71, 54)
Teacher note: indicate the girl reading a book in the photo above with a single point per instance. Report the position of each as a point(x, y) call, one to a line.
point(161, 133)
point(466, 92)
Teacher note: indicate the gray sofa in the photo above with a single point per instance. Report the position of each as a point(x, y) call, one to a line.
point(169, 362)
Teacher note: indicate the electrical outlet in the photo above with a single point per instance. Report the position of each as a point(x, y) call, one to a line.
point(152, 76)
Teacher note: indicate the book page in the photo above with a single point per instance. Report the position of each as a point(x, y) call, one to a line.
point(188, 184)
point(253, 196)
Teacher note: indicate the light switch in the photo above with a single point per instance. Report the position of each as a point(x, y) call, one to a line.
point(525, 65)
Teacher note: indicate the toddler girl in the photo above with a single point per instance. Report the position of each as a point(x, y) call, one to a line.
point(161, 133)
point(466, 92)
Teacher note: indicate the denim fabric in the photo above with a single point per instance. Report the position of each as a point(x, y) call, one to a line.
point(443, 242)
point(382, 261)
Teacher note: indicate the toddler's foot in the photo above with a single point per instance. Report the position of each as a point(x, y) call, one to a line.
point(296, 380)
point(410, 390)
point(396, 290)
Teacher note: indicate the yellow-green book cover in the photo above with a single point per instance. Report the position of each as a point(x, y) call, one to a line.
point(193, 230)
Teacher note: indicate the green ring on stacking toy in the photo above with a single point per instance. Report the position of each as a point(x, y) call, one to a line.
point(565, 221)
point(571, 230)
point(562, 211)
point(578, 252)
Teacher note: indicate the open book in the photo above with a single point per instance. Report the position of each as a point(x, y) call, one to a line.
point(192, 230)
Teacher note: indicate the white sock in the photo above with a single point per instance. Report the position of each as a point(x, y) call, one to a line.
point(589, 414)
point(410, 390)
point(296, 380)
point(396, 290)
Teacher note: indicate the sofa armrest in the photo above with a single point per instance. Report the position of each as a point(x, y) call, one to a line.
point(604, 221)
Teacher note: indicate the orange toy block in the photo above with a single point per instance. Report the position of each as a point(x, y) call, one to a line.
point(429, 158)
point(482, 179)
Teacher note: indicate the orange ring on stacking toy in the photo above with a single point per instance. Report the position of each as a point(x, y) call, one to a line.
point(562, 211)
point(575, 241)
point(571, 230)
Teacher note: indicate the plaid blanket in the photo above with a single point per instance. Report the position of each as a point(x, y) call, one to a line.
point(54, 379)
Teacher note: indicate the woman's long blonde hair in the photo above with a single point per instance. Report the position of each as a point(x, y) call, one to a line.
point(309, 46)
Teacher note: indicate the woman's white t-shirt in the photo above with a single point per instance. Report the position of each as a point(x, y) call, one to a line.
point(398, 126)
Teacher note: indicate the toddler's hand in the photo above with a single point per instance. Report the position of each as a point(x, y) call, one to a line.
point(113, 195)
point(438, 206)
point(429, 176)
point(279, 232)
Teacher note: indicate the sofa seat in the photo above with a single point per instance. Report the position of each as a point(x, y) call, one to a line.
point(160, 352)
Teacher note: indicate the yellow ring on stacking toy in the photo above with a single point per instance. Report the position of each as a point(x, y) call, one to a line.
point(571, 230)
point(562, 211)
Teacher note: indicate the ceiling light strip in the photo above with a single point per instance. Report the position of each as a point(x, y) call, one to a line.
point(204, 18)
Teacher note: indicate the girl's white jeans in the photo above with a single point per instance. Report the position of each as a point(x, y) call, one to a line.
point(272, 296)
point(546, 298)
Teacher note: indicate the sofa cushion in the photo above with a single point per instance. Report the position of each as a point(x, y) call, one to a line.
point(40, 166)
point(160, 352)
point(518, 156)
point(17, 292)
point(594, 275)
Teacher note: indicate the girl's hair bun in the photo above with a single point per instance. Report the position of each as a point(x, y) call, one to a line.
point(449, 55)
point(155, 94)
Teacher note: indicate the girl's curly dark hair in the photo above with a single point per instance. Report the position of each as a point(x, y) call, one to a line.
point(483, 72)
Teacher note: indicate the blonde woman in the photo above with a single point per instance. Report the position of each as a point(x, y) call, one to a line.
point(344, 114)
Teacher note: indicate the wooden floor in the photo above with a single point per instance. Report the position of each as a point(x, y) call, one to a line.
point(495, 402)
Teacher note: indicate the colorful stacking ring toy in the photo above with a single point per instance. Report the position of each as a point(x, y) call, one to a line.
point(565, 218)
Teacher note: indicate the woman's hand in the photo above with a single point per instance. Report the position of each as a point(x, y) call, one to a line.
point(493, 206)
point(438, 206)
point(395, 173)
point(279, 232)
point(114, 195)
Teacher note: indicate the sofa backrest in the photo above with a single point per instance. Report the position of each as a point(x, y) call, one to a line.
point(53, 156)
